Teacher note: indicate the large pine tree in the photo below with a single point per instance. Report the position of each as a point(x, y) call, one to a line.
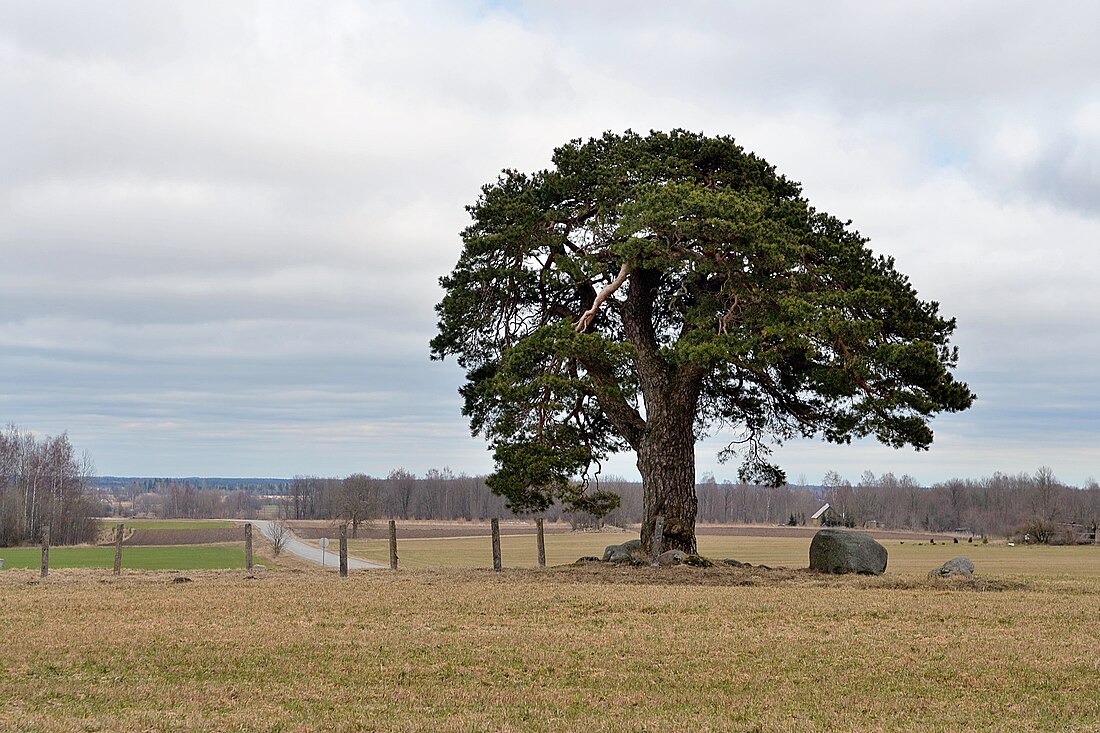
point(645, 290)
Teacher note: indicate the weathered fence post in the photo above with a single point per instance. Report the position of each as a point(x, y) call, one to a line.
point(495, 525)
point(393, 544)
point(658, 541)
point(45, 551)
point(343, 550)
point(118, 548)
point(248, 546)
point(540, 541)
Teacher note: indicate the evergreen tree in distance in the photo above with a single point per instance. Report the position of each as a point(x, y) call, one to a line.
point(645, 290)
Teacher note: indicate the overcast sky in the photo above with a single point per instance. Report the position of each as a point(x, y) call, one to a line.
point(222, 223)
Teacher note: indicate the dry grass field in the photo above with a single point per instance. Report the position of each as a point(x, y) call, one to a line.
point(565, 649)
point(912, 557)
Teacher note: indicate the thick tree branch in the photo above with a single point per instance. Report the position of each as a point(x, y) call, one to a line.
point(638, 329)
point(630, 424)
point(586, 318)
point(849, 363)
point(725, 320)
point(627, 420)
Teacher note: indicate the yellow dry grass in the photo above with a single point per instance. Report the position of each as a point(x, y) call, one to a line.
point(591, 648)
point(518, 551)
point(906, 557)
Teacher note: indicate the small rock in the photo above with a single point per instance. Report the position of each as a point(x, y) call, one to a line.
point(960, 566)
point(181, 579)
point(697, 561)
point(622, 553)
point(672, 557)
point(586, 559)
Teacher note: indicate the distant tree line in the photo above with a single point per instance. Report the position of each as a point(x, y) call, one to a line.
point(184, 499)
point(439, 494)
point(43, 483)
point(1000, 505)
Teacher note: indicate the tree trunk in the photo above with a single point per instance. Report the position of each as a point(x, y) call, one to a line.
point(666, 461)
point(665, 444)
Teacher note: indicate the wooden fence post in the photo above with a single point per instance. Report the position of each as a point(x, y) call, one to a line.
point(343, 550)
point(540, 540)
point(658, 541)
point(118, 548)
point(393, 544)
point(495, 524)
point(248, 546)
point(45, 551)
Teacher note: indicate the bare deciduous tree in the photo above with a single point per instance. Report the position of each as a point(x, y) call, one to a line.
point(280, 535)
point(44, 482)
point(358, 500)
point(402, 489)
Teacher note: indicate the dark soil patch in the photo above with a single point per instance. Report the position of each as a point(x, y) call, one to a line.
point(186, 536)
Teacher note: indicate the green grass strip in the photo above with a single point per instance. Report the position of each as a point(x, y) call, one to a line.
point(171, 557)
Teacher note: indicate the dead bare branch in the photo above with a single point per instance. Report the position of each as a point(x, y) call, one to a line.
point(589, 315)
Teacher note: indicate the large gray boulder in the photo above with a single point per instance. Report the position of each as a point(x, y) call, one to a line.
point(622, 553)
point(842, 551)
point(960, 566)
point(672, 557)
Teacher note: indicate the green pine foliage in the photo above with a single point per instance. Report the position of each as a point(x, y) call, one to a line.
point(642, 279)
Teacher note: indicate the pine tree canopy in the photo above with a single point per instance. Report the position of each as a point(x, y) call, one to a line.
point(645, 291)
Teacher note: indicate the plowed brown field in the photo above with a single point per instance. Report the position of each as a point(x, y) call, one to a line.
point(184, 536)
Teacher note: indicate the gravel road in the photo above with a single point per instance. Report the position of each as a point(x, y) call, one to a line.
point(328, 558)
